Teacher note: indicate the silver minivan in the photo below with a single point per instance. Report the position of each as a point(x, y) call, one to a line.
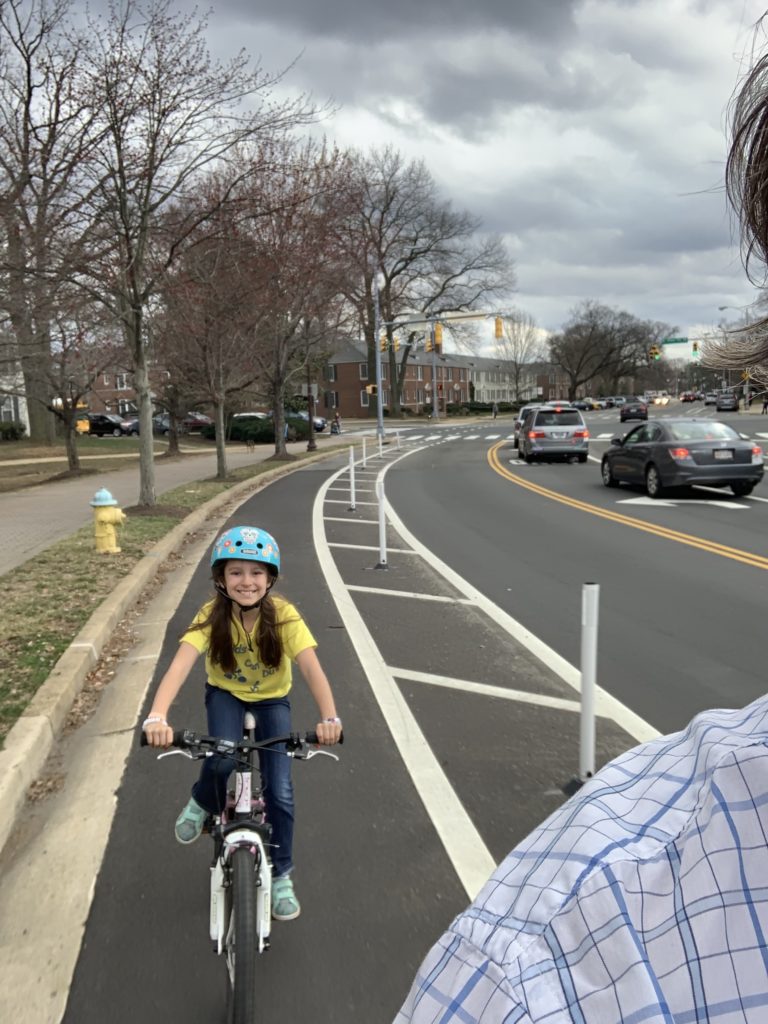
point(554, 431)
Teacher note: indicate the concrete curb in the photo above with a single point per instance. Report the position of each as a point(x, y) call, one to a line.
point(30, 740)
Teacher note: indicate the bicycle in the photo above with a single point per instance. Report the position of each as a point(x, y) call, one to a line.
point(240, 917)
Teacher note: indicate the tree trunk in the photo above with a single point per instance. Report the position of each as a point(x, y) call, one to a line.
point(147, 494)
point(221, 442)
point(70, 442)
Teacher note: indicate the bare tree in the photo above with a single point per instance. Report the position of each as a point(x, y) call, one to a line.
point(206, 335)
point(430, 257)
point(48, 131)
point(170, 114)
point(599, 342)
point(520, 343)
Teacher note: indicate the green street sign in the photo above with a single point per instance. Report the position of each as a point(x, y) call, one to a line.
point(674, 341)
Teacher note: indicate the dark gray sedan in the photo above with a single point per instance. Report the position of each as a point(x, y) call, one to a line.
point(678, 453)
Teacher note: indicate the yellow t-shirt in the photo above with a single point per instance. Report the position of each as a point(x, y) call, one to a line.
point(251, 680)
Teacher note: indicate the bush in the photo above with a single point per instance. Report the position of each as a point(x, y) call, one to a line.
point(12, 430)
point(259, 431)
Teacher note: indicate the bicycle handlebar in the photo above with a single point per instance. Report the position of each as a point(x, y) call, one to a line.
point(185, 739)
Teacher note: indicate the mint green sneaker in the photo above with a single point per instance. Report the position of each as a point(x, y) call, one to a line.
point(285, 906)
point(189, 824)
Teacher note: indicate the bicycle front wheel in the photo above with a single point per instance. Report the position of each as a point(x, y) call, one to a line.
point(242, 940)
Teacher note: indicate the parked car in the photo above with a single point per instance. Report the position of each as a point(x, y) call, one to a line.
point(194, 421)
point(102, 423)
point(161, 424)
point(727, 401)
point(519, 419)
point(131, 425)
point(583, 403)
point(633, 409)
point(678, 453)
point(553, 431)
point(319, 421)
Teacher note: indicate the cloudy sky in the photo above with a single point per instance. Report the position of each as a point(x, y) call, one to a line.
point(590, 133)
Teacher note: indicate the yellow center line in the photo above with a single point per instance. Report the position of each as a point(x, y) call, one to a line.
point(736, 554)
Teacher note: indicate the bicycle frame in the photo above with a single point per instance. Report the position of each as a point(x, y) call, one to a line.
point(241, 824)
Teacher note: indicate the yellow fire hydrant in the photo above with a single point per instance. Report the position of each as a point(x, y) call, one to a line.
point(106, 517)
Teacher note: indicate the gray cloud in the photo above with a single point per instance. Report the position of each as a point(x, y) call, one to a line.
point(358, 21)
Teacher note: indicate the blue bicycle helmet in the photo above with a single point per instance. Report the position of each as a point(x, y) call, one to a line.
point(248, 542)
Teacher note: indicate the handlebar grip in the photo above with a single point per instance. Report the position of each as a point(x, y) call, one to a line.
point(311, 737)
point(181, 738)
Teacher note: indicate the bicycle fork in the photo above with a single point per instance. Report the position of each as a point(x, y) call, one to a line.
point(221, 875)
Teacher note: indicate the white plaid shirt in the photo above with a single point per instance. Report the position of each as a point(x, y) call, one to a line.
point(643, 899)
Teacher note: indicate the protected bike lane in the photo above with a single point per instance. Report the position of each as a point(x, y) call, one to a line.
point(433, 787)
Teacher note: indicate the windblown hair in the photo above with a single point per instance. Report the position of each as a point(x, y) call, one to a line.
point(219, 619)
point(746, 185)
point(746, 169)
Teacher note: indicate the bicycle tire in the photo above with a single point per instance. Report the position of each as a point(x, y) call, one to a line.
point(241, 950)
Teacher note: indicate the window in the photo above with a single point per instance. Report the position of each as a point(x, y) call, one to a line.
point(331, 373)
point(121, 381)
point(363, 371)
point(105, 379)
point(364, 398)
point(419, 373)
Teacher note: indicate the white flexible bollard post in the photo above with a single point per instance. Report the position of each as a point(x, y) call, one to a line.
point(397, 435)
point(365, 457)
point(590, 594)
point(381, 446)
point(351, 479)
point(382, 525)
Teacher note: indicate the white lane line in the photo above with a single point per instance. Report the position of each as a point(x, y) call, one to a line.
point(463, 844)
point(492, 437)
point(484, 690)
point(631, 722)
point(471, 437)
point(371, 547)
point(408, 593)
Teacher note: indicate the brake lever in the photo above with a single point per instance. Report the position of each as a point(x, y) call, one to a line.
point(313, 752)
point(182, 753)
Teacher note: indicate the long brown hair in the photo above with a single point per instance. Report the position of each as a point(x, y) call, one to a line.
point(219, 619)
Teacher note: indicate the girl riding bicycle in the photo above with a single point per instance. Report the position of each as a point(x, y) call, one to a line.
point(249, 637)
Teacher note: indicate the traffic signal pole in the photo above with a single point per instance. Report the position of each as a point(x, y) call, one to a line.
point(377, 356)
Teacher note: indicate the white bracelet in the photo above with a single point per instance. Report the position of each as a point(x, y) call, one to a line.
point(332, 721)
point(151, 719)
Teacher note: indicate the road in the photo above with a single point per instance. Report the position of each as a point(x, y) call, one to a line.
point(453, 670)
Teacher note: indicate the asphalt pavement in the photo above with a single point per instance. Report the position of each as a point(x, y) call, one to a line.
point(432, 789)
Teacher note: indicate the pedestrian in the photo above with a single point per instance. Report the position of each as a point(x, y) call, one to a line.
point(336, 425)
point(764, 409)
point(249, 637)
point(495, 410)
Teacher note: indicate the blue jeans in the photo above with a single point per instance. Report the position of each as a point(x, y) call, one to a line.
point(273, 718)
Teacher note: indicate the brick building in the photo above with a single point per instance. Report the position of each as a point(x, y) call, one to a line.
point(459, 379)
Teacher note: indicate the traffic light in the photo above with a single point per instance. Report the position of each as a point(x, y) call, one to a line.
point(695, 348)
point(371, 389)
point(428, 343)
point(438, 337)
point(396, 343)
point(497, 328)
point(383, 343)
point(654, 352)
